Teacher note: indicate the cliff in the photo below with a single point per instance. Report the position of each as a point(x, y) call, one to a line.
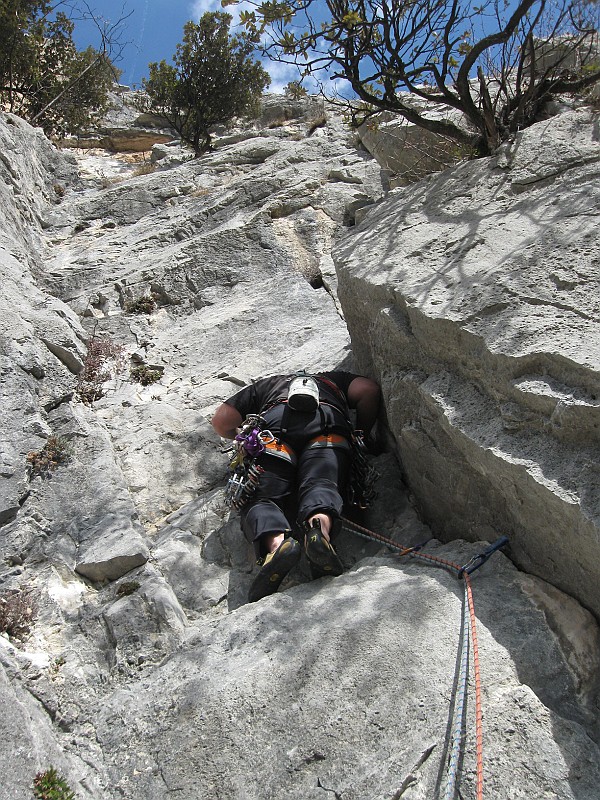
point(138, 670)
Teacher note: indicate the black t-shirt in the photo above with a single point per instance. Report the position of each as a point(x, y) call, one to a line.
point(264, 395)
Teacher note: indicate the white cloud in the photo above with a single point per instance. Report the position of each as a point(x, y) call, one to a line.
point(200, 7)
point(281, 74)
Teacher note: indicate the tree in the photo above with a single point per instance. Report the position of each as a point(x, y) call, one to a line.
point(295, 90)
point(214, 80)
point(43, 77)
point(496, 63)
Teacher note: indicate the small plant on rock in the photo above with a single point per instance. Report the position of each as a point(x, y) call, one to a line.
point(17, 612)
point(49, 785)
point(143, 305)
point(145, 168)
point(56, 664)
point(144, 374)
point(46, 460)
point(102, 361)
point(277, 123)
point(127, 588)
point(295, 90)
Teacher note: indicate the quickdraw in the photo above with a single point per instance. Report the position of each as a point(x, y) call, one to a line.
point(363, 475)
point(242, 484)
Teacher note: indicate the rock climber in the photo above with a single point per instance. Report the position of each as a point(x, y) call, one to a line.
point(306, 428)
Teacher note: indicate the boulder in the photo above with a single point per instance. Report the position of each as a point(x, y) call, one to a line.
point(408, 151)
point(344, 685)
point(126, 127)
point(473, 299)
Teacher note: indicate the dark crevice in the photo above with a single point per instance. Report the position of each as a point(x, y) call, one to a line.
point(8, 515)
point(55, 402)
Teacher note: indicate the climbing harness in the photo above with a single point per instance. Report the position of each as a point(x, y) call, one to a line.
point(328, 440)
point(468, 639)
point(278, 449)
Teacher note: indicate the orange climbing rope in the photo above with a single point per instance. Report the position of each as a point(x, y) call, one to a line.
point(477, 677)
point(464, 573)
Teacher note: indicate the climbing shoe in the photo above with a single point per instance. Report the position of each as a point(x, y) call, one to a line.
point(274, 569)
point(322, 557)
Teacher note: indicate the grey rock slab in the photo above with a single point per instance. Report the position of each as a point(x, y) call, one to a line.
point(480, 320)
point(199, 581)
point(551, 148)
point(167, 451)
point(144, 623)
point(33, 744)
point(34, 174)
point(84, 506)
point(345, 684)
point(408, 151)
point(197, 584)
point(116, 552)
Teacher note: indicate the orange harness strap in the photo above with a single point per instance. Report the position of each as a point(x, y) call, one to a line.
point(280, 450)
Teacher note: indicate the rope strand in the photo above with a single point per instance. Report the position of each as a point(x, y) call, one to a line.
point(459, 710)
point(468, 607)
point(478, 708)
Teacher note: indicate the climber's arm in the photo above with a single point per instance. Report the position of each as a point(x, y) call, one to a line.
point(226, 420)
point(364, 395)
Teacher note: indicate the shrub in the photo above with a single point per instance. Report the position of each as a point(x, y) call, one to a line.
point(295, 90)
point(143, 305)
point(50, 785)
point(144, 374)
point(213, 80)
point(43, 76)
point(495, 63)
point(103, 360)
point(46, 460)
point(17, 611)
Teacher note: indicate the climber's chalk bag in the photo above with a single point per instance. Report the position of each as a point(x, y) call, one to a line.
point(303, 394)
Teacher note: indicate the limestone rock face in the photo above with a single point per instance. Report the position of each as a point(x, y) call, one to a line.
point(139, 670)
point(125, 128)
point(474, 298)
point(408, 152)
point(303, 711)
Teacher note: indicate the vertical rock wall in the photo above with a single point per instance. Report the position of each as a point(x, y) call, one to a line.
point(474, 298)
point(144, 672)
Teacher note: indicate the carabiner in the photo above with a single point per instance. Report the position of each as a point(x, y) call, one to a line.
point(475, 562)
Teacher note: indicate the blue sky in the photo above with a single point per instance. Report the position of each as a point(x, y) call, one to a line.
point(154, 29)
